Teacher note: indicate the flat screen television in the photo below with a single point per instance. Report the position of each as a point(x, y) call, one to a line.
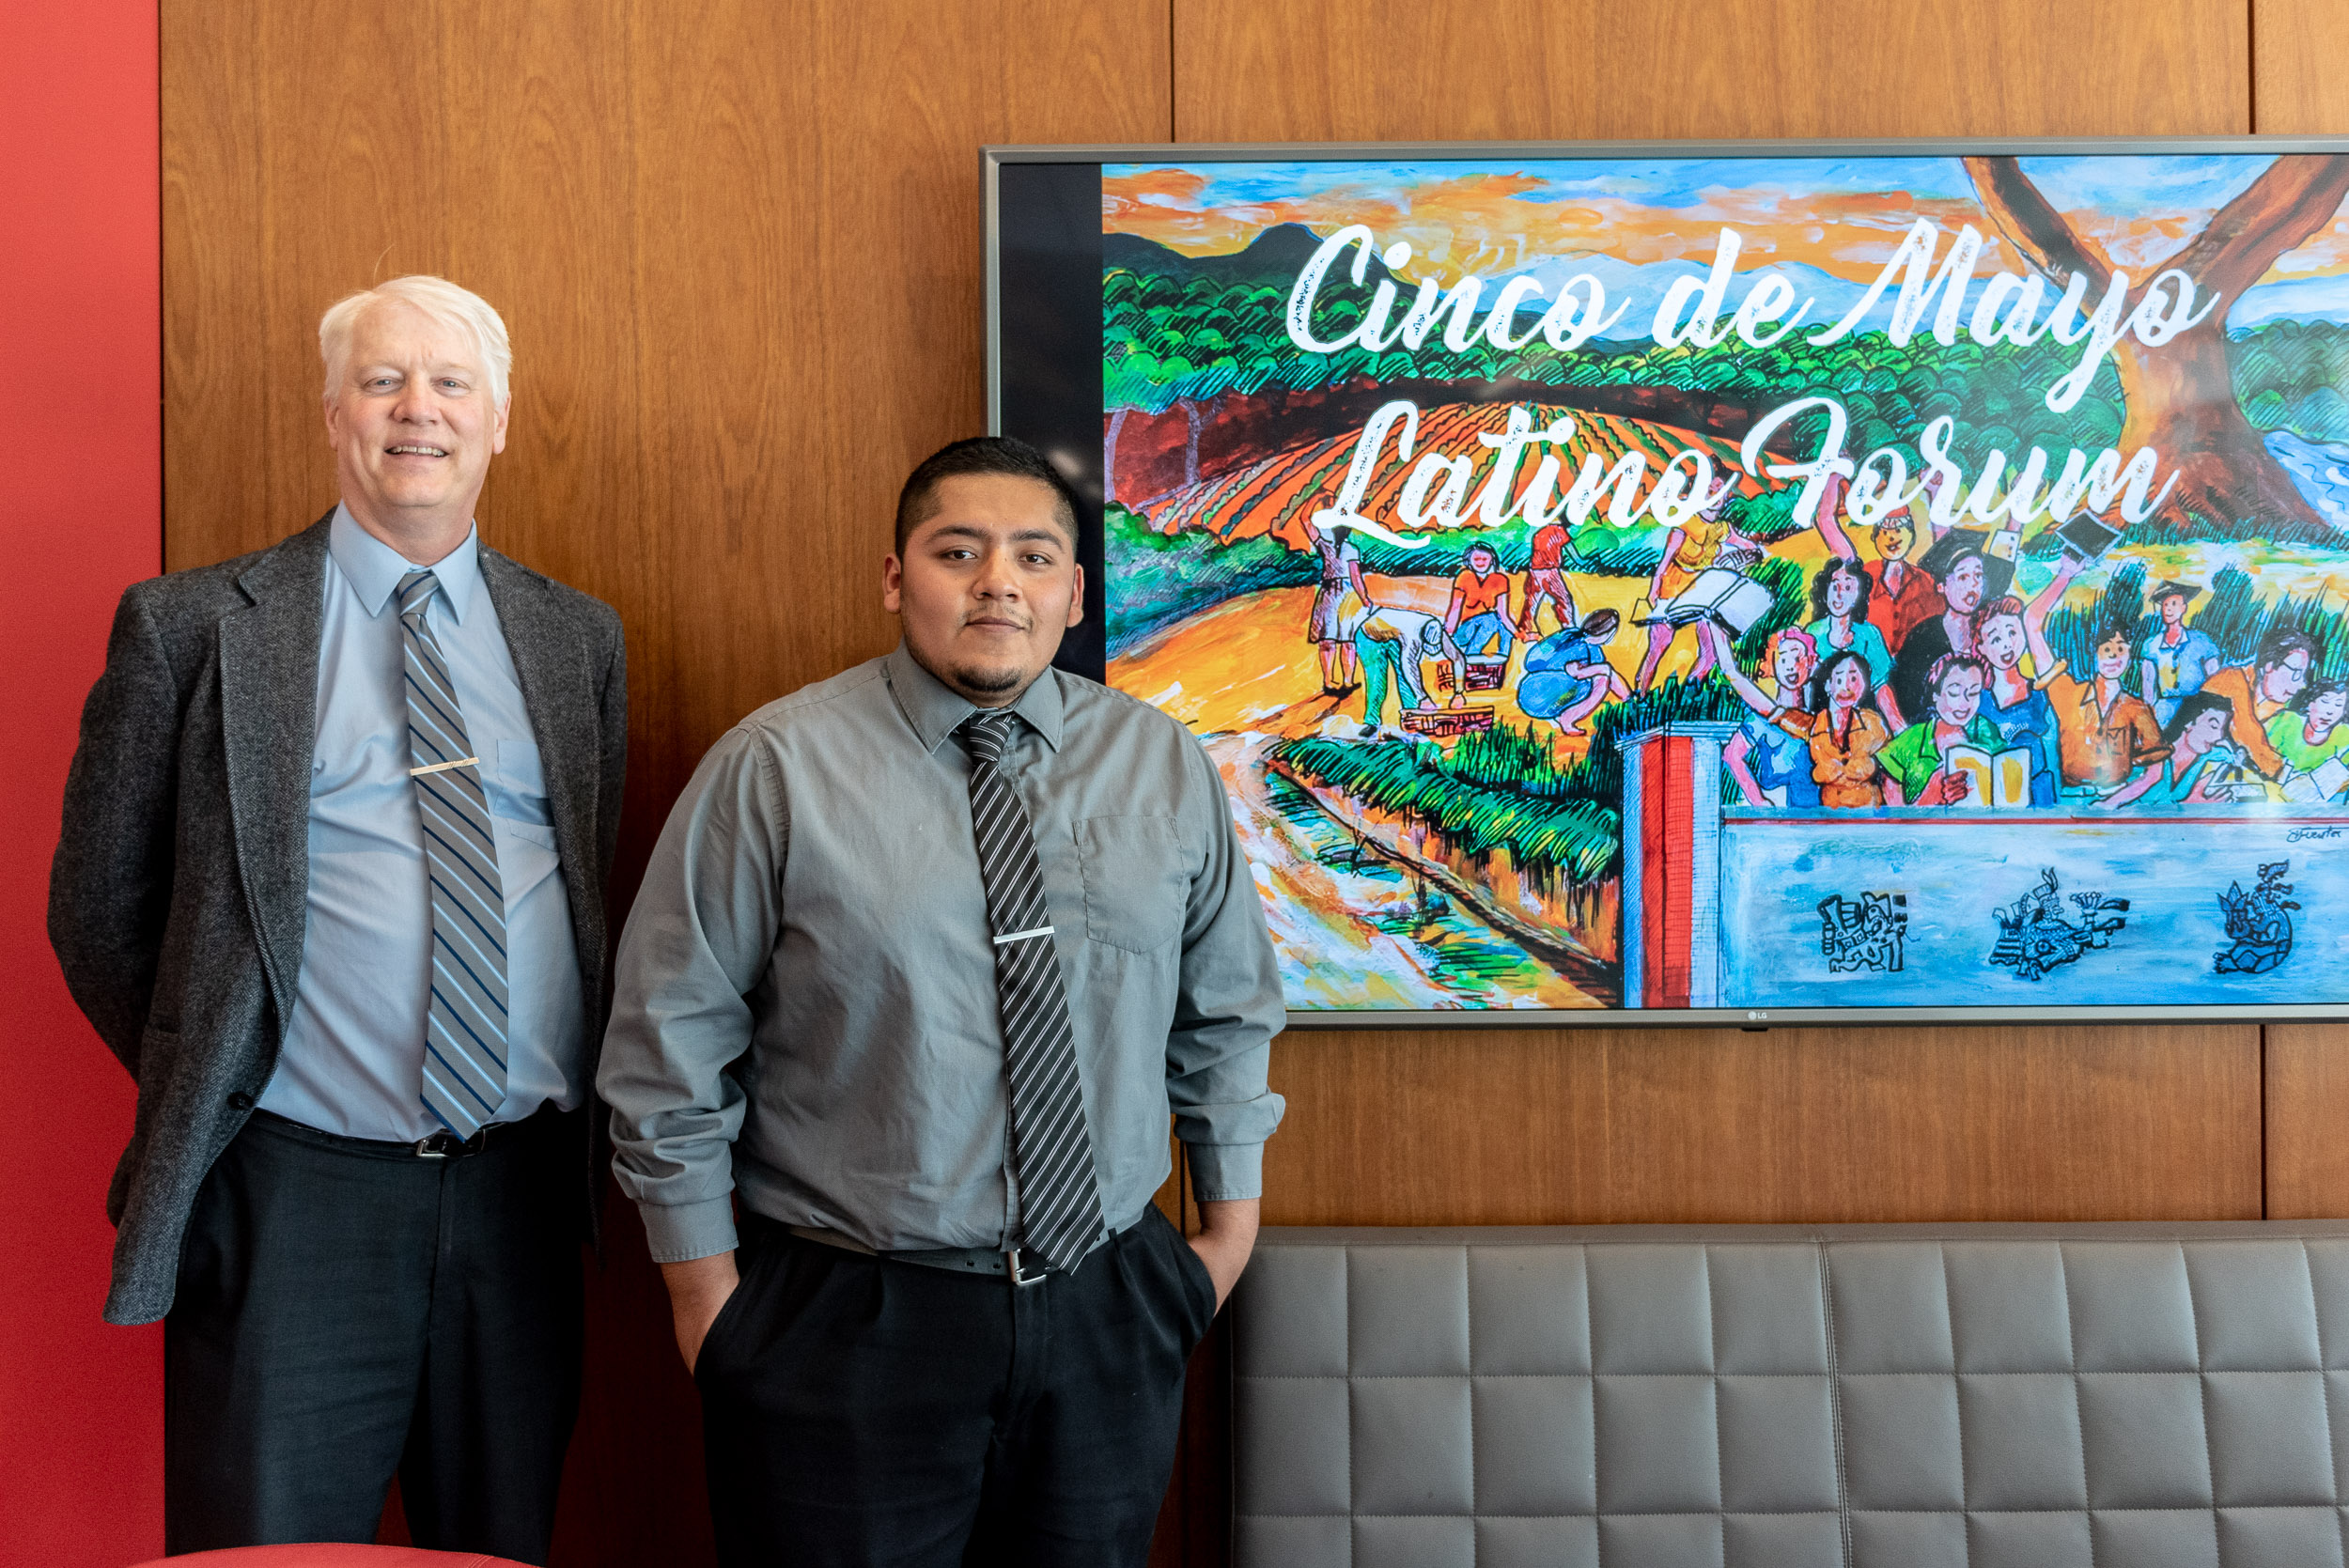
point(1754, 584)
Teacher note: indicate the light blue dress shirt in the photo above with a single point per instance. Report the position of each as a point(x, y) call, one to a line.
point(352, 1062)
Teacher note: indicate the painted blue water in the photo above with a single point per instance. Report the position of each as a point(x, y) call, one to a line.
point(2319, 470)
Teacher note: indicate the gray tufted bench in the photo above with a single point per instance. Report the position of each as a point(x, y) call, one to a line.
point(1893, 1396)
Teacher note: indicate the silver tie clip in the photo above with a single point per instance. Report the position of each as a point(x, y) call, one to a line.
point(1023, 936)
point(443, 767)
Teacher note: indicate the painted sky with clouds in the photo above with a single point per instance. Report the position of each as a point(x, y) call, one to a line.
point(1844, 216)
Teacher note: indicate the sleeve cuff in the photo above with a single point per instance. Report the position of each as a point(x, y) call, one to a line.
point(1220, 1173)
point(680, 1233)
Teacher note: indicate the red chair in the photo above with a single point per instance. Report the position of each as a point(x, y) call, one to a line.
point(330, 1557)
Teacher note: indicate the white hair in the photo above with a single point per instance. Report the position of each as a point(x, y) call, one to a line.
point(441, 301)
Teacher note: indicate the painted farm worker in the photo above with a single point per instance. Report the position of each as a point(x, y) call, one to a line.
point(2310, 733)
point(330, 885)
point(2104, 733)
point(1771, 764)
point(2017, 710)
point(1900, 595)
point(1839, 607)
point(1917, 762)
point(2177, 658)
point(1567, 675)
point(1392, 642)
point(1965, 578)
point(2198, 751)
point(1341, 577)
point(2257, 691)
point(1705, 541)
point(1845, 732)
point(926, 955)
point(1546, 579)
point(1478, 616)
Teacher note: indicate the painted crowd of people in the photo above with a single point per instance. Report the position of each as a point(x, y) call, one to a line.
point(1919, 679)
point(1907, 661)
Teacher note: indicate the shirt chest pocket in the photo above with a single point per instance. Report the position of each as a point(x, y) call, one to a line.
point(1137, 880)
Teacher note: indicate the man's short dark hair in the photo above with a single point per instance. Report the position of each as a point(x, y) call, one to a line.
point(2280, 643)
point(1006, 455)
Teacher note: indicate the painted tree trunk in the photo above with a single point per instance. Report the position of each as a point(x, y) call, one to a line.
point(2182, 402)
point(2180, 397)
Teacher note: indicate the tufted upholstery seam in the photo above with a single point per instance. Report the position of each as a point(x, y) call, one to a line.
point(2079, 1407)
point(2202, 1385)
point(1835, 1399)
point(1713, 1358)
point(1957, 1402)
point(1823, 1512)
point(1467, 1334)
point(1553, 1376)
point(1611, 1514)
point(1352, 1485)
point(1589, 1357)
point(2324, 1387)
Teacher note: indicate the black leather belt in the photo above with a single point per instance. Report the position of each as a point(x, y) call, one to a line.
point(958, 1260)
point(443, 1144)
point(1011, 1263)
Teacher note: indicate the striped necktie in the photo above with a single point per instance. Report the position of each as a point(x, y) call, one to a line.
point(464, 1046)
point(1060, 1206)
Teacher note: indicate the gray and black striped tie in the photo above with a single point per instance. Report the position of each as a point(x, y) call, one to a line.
point(464, 1046)
point(1060, 1206)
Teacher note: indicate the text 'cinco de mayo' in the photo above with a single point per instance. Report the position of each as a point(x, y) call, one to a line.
point(1436, 494)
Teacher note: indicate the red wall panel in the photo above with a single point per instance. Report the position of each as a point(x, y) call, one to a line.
point(81, 1406)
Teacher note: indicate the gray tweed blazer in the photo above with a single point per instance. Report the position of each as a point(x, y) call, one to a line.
point(178, 897)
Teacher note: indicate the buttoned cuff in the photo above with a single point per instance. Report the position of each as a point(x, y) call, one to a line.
point(1220, 1173)
point(680, 1233)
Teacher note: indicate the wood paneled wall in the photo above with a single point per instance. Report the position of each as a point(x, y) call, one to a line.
point(1720, 69)
point(738, 246)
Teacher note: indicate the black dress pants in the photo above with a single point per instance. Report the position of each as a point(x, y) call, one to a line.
point(866, 1411)
point(345, 1310)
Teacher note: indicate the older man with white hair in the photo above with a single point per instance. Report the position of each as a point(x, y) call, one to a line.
point(330, 885)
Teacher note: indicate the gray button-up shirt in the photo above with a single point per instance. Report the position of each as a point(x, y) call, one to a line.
point(807, 1001)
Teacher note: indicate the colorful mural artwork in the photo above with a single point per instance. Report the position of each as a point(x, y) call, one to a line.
point(1778, 583)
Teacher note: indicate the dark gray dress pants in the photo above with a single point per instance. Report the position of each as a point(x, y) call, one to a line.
point(346, 1308)
point(860, 1412)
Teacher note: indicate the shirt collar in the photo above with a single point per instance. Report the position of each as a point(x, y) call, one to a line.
point(935, 709)
point(374, 568)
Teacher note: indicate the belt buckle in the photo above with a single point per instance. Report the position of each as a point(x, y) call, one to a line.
point(440, 1145)
point(1011, 1257)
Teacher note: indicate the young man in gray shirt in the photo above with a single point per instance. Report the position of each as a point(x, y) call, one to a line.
point(925, 957)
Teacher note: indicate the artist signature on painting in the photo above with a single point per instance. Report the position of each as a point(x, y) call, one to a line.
point(2302, 835)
